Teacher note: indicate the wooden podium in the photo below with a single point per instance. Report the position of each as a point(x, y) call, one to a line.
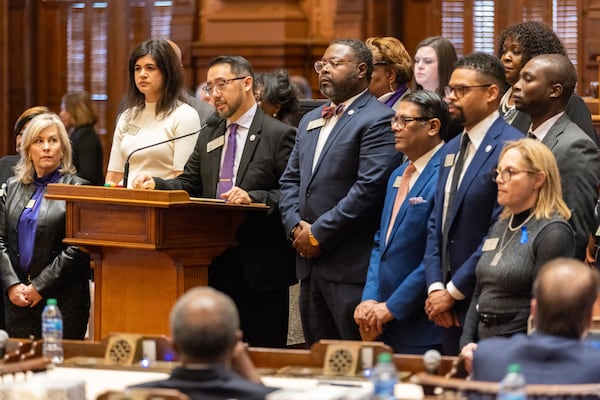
point(147, 248)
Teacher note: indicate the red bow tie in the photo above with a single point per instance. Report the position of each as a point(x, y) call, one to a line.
point(329, 111)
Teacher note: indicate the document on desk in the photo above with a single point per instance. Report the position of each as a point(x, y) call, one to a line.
point(317, 389)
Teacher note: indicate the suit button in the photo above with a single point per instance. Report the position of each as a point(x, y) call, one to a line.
point(308, 193)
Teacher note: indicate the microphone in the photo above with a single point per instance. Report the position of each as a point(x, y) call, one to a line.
point(212, 120)
point(432, 360)
point(3, 342)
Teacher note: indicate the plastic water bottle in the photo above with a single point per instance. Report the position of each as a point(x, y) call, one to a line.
point(52, 332)
point(384, 377)
point(513, 386)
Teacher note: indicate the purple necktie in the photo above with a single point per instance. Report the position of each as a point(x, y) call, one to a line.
point(226, 175)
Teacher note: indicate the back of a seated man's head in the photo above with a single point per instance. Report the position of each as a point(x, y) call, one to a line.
point(565, 291)
point(204, 325)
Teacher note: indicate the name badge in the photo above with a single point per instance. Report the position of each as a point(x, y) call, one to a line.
point(215, 143)
point(449, 160)
point(131, 129)
point(490, 244)
point(317, 123)
point(397, 181)
point(30, 203)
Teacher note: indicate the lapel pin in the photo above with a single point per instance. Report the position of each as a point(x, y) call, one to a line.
point(488, 148)
point(252, 138)
point(350, 112)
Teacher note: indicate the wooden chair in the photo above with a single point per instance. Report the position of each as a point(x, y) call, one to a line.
point(30, 365)
point(143, 394)
point(459, 388)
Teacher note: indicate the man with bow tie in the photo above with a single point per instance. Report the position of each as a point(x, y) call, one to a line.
point(332, 191)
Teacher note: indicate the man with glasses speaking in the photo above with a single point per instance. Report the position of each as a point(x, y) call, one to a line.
point(240, 160)
point(332, 191)
point(465, 204)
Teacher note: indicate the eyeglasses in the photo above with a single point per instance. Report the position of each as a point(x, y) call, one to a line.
point(460, 90)
point(400, 121)
point(506, 174)
point(219, 85)
point(319, 65)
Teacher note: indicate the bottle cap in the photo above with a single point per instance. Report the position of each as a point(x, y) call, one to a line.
point(384, 358)
point(514, 368)
point(51, 302)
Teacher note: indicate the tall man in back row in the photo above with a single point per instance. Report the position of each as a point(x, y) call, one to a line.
point(545, 85)
point(240, 160)
point(465, 204)
point(333, 188)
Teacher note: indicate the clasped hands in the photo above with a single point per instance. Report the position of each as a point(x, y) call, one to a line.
point(438, 307)
point(24, 295)
point(370, 316)
point(301, 242)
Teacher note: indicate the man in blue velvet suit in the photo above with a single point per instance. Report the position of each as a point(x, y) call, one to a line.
point(543, 90)
point(465, 204)
point(394, 293)
point(562, 315)
point(332, 191)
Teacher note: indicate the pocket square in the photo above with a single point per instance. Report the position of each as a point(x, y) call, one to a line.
point(416, 200)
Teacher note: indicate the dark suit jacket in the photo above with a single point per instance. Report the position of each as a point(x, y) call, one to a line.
point(214, 383)
point(87, 154)
point(475, 211)
point(266, 255)
point(544, 359)
point(577, 111)
point(7, 164)
point(579, 166)
point(342, 198)
point(396, 274)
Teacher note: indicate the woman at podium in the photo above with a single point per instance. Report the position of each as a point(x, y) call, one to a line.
point(34, 263)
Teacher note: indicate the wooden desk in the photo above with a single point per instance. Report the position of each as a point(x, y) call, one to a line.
point(263, 358)
point(147, 248)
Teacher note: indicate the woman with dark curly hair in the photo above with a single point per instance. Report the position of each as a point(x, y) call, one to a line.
point(392, 70)
point(518, 44)
point(278, 96)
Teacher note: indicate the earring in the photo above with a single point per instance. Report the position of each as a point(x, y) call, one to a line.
point(274, 115)
point(29, 156)
point(391, 88)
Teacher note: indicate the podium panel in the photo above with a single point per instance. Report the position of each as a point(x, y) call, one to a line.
point(147, 248)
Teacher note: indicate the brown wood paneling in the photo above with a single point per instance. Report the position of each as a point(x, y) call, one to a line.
point(5, 137)
point(50, 58)
point(420, 19)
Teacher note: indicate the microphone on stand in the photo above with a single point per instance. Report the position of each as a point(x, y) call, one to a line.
point(3, 343)
point(212, 120)
point(432, 360)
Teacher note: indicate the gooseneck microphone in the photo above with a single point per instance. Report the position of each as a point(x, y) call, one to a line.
point(212, 120)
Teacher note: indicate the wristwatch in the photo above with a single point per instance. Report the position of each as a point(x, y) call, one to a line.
point(313, 240)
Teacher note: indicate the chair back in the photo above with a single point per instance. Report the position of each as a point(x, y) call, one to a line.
point(143, 394)
point(459, 388)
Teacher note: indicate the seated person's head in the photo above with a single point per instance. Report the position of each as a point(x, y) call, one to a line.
point(204, 326)
point(564, 294)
